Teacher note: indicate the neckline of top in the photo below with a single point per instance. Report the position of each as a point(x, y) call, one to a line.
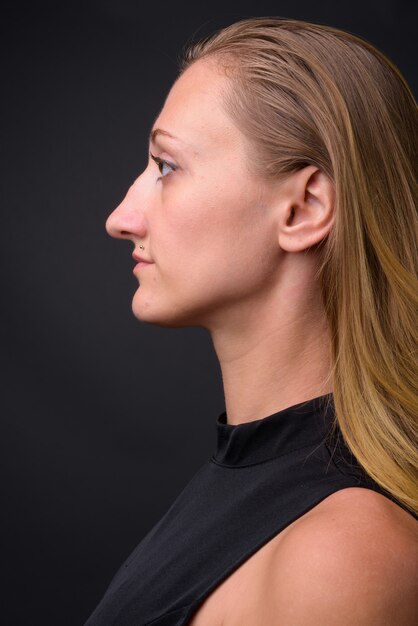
point(287, 430)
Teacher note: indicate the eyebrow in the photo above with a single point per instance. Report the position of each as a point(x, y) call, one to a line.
point(160, 131)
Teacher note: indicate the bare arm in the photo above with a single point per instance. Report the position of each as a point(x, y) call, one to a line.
point(349, 568)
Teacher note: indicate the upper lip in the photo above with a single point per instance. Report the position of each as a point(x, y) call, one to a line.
point(140, 258)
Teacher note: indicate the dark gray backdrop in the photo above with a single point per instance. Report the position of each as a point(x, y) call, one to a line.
point(104, 419)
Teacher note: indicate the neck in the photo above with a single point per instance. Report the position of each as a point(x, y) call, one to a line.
point(274, 355)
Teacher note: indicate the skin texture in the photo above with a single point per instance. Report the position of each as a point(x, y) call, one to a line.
point(230, 251)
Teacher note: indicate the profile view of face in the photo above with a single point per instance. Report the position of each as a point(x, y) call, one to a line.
point(201, 216)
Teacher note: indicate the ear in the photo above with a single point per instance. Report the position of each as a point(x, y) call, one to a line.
point(307, 209)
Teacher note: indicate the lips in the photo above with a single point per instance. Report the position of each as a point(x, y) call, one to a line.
point(140, 259)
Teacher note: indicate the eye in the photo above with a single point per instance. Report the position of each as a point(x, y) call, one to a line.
point(161, 163)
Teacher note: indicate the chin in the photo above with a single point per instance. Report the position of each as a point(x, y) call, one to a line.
point(167, 314)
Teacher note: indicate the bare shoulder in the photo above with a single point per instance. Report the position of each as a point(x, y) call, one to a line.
point(352, 561)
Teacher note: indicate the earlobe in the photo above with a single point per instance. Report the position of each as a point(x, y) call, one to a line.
point(307, 209)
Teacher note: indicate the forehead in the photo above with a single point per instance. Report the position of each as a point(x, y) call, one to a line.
point(193, 111)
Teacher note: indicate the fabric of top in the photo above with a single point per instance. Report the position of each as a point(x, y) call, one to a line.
point(262, 476)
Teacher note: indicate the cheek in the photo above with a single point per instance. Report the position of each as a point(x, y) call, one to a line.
point(190, 221)
point(215, 239)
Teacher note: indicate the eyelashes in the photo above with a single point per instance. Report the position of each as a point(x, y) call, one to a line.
point(161, 163)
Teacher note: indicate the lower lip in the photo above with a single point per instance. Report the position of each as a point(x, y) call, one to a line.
point(141, 264)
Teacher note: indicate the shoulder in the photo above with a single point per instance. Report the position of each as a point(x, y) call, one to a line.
point(352, 560)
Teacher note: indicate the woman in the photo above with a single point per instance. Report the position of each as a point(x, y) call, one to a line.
point(283, 220)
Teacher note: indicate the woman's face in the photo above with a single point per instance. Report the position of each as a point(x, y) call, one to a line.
point(204, 224)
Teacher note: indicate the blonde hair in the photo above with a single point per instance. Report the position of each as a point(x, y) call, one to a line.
point(310, 94)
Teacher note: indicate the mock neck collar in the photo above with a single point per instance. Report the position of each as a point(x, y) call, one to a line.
point(282, 432)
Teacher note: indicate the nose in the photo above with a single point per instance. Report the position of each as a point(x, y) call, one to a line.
point(125, 222)
point(114, 224)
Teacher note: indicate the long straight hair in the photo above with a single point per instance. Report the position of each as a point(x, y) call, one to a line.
point(310, 94)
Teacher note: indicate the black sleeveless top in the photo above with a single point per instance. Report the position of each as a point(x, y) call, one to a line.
point(263, 476)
